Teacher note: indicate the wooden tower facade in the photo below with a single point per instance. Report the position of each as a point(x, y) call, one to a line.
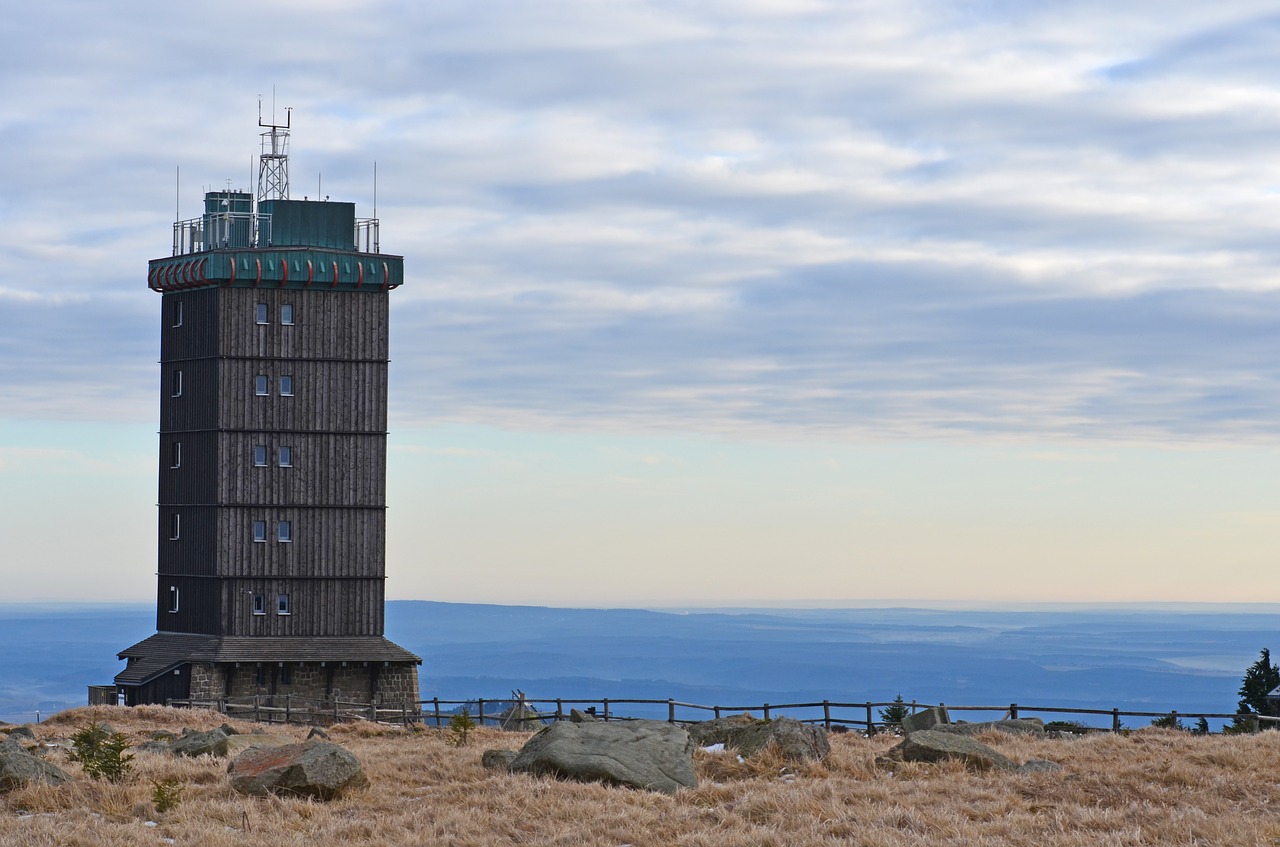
point(272, 461)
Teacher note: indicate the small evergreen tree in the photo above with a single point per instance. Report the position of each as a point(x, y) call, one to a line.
point(896, 712)
point(102, 753)
point(1260, 679)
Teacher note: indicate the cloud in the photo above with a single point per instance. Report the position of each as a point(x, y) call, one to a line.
point(872, 220)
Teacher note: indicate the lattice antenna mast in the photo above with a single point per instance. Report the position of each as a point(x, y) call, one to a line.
point(273, 162)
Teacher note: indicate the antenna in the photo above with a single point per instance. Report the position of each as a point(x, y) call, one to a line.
point(273, 161)
point(177, 192)
point(375, 188)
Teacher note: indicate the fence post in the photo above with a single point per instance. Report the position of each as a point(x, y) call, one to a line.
point(335, 709)
point(436, 702)
point(373, 711)
point(671, 710)
point(404, 713)
point(480, 705)
point(1254, 723)
point(766, 711)
point(717, 708)
point(1173, 724)
point(1013, 711)
point(913, 705)
point(257, 702)
point(288, 707)
point(559, 710)
point(605, 701)
point(871, 727)
point(826, 714)
point(1115, 720)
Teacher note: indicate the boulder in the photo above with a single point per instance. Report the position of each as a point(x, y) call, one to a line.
point(718, 731)
point(22, 732)
point(237, 744)
point(497, 760)
point(317, 732)
point(579, 716)
point(1020, 726)
point(643, 754)
point(927, 745)
point(319, 769)
point(211, 743)
point(19, 767)
point(925, 719)
point(795, 741)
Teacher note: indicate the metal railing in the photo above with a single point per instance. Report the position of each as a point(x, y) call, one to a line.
point(221, 230)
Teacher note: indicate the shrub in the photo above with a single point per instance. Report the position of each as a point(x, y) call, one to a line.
point(101, 754)
point(166, 794)
point(460, 726)
point(1169, 721)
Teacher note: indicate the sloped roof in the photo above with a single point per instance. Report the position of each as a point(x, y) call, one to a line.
point(165, 651)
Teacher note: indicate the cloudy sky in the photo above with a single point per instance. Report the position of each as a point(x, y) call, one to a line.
point(706, 303)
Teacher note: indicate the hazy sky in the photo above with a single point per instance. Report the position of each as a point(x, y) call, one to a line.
point(706, 302)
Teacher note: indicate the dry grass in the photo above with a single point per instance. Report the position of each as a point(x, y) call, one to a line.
point(1153, 787)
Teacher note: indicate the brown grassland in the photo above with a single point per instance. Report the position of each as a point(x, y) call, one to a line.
point(1150, 787)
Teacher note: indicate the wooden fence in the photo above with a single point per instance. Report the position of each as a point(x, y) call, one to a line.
point(527, 714)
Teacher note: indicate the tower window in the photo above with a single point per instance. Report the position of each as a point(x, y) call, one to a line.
point(286, 314)
point(259, 531)
point(177, 313)
point(286, 457)
point(259, 604)
point(174, 520)
point(286, 386)
point(282, 604)
point(284, 531)
point(260, 385)
point(260, 455)
point(262, 313)
point(176, 384)
point(175, 454)
point(173, 599)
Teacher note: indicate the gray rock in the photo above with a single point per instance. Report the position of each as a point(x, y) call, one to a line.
point(793, 740)
point(319, 769)
point(719, 731)
point(1020, 726)
point(229, 729)
point(498, 760)
point(18, 768)
point(317, 732)
point(643, 754)
point(578, 716)
point(1040, 766)
point(926, 745)
point(22, 732)
point(163, 735)
point(925, 719)
point(211, 743)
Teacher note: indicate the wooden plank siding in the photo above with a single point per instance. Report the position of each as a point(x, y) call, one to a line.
point(319, 608)
point(333, 493)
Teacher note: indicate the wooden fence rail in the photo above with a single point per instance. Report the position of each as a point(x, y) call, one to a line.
point(506, 712)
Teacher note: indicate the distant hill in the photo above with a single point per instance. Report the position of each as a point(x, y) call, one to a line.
point(1104, 658)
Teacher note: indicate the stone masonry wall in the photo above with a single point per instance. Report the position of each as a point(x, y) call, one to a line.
point(392, 685)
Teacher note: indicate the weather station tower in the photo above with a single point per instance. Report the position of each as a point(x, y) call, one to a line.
point(271, 560)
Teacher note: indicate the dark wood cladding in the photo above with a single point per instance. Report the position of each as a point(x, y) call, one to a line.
point(198, 608)
point(317, 608)
point(326, 324)
point(333, 491)
point(326, 542)
point(328, 470)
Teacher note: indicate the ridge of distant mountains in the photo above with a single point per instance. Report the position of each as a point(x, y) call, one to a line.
point(1145, 659)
